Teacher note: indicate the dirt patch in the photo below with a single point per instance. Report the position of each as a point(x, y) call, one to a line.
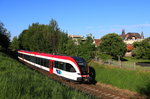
point(123, 92)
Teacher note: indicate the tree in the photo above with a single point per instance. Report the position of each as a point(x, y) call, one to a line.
point(104, 57)
point(71, 48)
point(14, 44)
point(43, 38)
point(113, 45)
point(23, 40)
point(142, 49)
point(55, 32)
point(87, 48)
point(4, 37)
point(62, 43)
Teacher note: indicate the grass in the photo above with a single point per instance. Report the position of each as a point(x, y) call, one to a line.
point(19, 82)
point(132, 59)
point(133, 80)
point(130, 63)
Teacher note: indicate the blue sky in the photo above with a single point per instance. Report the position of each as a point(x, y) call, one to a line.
point(79, 17)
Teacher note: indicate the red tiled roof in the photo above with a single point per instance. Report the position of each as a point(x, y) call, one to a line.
point(129, 47)
point(130, 35)
point(97, 41)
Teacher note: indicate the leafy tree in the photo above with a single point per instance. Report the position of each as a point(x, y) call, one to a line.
point(23, 40)
point(55, 32)
point(113, 45)
point(62, 44)
point(71, 48)
point(14, 44)
point(104, 57)
point(87, 48)
point(4, 37)
point(142, 49)
point(43, 38)
point(50, 39)
point(84, 48)
point(35, 38)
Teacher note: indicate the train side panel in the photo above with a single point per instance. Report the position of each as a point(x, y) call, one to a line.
point(69, 69)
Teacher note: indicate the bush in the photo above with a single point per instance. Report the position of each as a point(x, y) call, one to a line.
point(142, 49)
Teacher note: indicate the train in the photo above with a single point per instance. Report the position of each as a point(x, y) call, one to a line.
point(68, 67)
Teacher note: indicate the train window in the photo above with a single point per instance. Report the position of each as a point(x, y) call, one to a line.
point(70, 68)
point(27, 57)
point(61, 65)
point(45, 62)
point(31, 58)
point(56, 64)
point(41, 61)
point(64, 66)
point(37, 60)
point(19, 54)
point(34, 59)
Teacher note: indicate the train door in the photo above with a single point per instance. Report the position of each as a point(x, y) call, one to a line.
point(22, 57)
point(51, 66)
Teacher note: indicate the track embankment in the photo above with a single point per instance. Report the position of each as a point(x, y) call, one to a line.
point(99, 90)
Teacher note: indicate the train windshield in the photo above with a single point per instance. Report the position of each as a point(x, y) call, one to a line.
point(82, 65)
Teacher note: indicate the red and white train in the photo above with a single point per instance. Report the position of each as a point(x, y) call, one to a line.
point(69, 67)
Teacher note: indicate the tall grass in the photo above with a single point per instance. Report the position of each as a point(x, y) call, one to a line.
point(19, 82)
point(133, 80)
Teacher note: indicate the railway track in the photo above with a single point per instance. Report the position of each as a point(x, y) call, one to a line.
point(96, 90)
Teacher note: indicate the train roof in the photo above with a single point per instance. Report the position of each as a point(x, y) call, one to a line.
point(73, 58)
point(78, 59)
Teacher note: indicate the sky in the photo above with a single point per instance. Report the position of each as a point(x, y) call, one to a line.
point(78, 17)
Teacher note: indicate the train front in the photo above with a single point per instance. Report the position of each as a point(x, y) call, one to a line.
point(84, 70)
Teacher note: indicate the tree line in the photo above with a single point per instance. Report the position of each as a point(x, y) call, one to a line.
point(4, 37)
point(51, 39)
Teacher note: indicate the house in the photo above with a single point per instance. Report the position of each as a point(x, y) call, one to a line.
point(132, 37)
point(76, 38)
point(97, 42)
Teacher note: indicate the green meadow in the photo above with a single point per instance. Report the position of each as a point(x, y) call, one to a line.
point(134, 80)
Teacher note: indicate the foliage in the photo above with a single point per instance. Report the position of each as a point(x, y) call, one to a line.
point(113, 45)
point(87, 48)
point(103, 56)
point(43, 38)
point(142, 49)
point(50, 39)
point(4, 37)
point(84, 48)
point(122, 78)
point(133, 59)
point(20, 82)
point(14, 44)
point(71, 48)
